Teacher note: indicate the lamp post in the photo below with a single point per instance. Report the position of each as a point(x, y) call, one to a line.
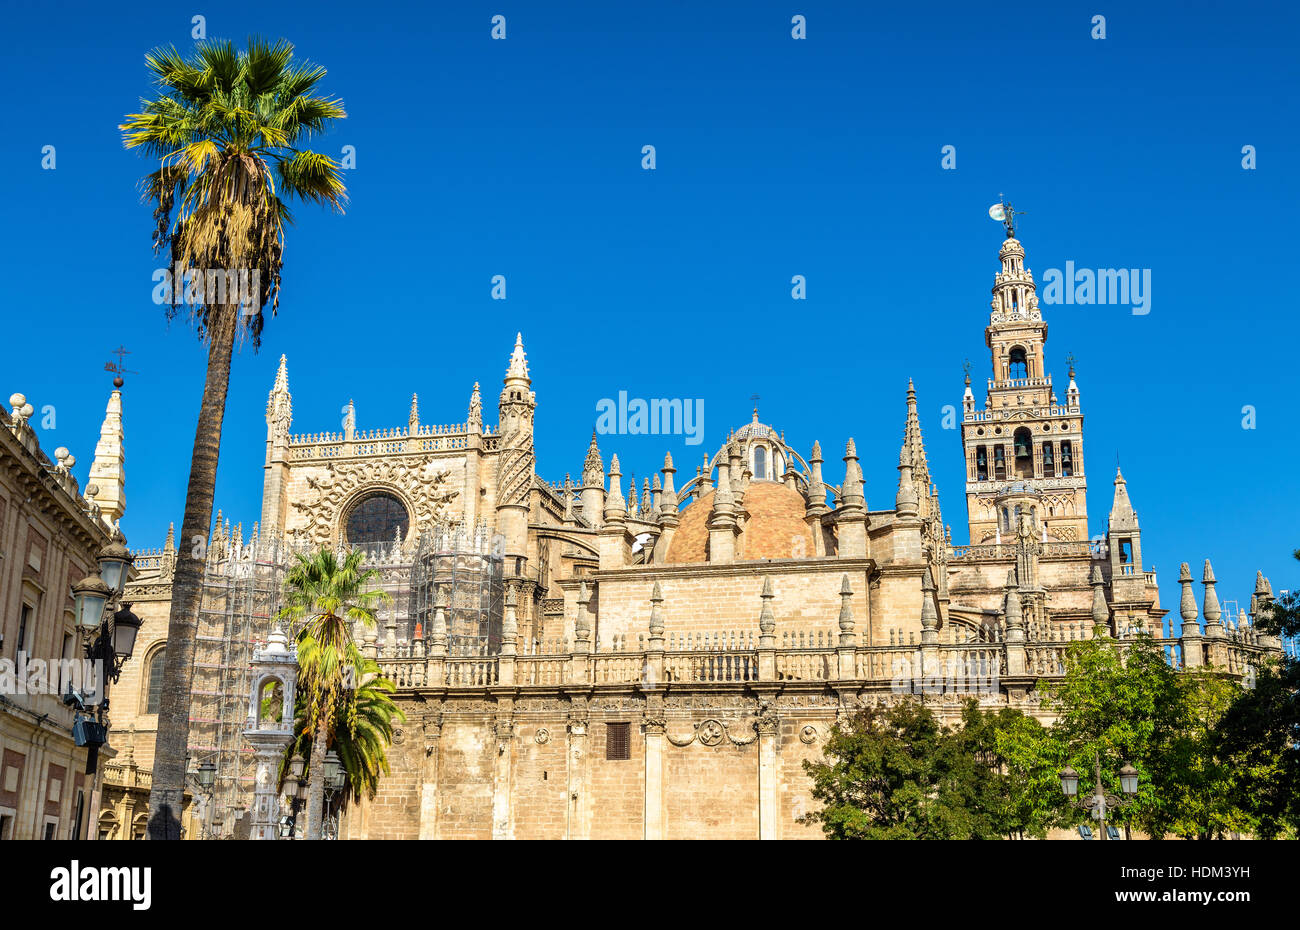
point(108, 633)
point(335, 778)
point(296, 787)
point(205, 777)
point(1099, 803)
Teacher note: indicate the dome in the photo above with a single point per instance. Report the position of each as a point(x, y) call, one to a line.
point(775, 529)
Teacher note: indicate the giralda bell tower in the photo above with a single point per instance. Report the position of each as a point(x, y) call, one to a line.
point(1024, 449)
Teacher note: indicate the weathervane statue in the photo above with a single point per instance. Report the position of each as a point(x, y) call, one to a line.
point(1005, 214)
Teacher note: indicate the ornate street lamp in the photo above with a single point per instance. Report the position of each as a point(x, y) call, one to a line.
point(333, 771)
point(296, 790)
point(335, 778)
point(108, 637)
point(1099, 803)
point(114, 561)
point(89, 595)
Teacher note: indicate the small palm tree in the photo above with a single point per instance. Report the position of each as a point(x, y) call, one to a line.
point(225, 129)
point(363, 728)
point(324, 598)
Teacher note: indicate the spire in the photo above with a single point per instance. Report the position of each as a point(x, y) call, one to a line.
point(852, 494)
point(912, 440)
point(1122, 515)
point(846, 612)
point(475, 420)
point(668, 498)
point(281, 385)
point(1187, 605)
point(106, 471)
point(518, 370)
point(816, 488)
point(1014, 615)
point(1210, 607)
point(929, 619)
point(905, 502)
point(593, 470)
point(349, 419)
point(766, 618)
point(279, 405)
point(413, 419)
point(656, 618)
point(615, 504)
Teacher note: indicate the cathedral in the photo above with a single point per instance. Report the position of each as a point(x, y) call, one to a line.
point(598, 660)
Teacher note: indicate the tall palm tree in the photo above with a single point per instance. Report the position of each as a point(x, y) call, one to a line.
point(225, 128)
point(324, 598)
point(363, 727)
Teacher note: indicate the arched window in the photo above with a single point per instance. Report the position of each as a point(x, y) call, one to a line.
point(153, 697)
point(760, 462)
point(1019, 367)
point(377, 520)
point(1024, 452)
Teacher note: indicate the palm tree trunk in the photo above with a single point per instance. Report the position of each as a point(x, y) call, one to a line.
point(166, 797)
point(316, 780)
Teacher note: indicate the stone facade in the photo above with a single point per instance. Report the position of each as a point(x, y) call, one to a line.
point(50, 535)
point(666, 657)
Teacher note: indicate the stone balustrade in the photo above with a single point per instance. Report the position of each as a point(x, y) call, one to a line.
point(809, 659)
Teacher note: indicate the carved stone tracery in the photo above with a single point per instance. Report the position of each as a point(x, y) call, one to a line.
point(421, 486)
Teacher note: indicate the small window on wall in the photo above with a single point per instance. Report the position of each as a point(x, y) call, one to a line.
point(760, 463)
point(618, 741)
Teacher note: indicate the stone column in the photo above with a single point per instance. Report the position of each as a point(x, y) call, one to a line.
point(502, 823)
point(767, 635)
point(509, 636)
point(847, 647)
point(429, 779)
point(768, 774)
point(654, 775)
point(578, 827)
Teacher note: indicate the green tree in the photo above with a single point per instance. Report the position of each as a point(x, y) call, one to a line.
point(1021, 797)
point(896, 773)
point(1258, 737)
point(225, 128)
point(324, 598)
point(363, 727)
point(1120, 704)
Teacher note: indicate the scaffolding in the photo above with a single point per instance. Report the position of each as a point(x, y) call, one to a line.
point(462, 563)
point(242, 595)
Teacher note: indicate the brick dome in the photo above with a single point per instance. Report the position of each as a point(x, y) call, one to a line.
point(775, 529)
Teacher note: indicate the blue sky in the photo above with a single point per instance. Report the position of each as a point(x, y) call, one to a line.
point(775, 157)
